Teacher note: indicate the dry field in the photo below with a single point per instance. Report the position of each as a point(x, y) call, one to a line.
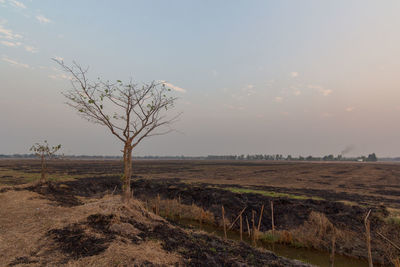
point(362, 183)
point(82, 222)
point(307, 196)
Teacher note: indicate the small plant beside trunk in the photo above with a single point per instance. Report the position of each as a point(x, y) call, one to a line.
point(44, 151)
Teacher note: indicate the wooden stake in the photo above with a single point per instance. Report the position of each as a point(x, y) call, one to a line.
point(115, 188)
point(259, 220)
point(240, 213)
point(223, 222)
point(367, 225)
point(241, 227)
point(248, 226)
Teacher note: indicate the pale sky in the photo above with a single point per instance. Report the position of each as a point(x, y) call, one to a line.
point(290, 77)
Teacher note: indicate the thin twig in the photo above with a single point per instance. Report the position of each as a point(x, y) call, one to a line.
point(390, 242)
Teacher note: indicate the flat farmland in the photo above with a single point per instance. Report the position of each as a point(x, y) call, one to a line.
point(363, 183)
point(304, 195)
point(374, 183)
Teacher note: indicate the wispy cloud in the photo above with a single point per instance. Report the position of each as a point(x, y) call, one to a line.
point(173, 87)
point(17, 4)
point(350, 109)
point(15, 63)
point(61, 76)
point(10, 39)
point(42, 19)
point(278, 99)
point(8, 34)
point(294, 74)
point(30, 49)
point(10, 44)
point(321, 89)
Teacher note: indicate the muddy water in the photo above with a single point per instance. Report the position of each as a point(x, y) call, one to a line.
point(306, 255)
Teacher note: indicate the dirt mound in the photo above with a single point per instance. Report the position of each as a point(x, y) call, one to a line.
point(196, 249)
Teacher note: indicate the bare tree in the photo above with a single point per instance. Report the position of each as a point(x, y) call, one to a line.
point(43, 151)
point(130, 111)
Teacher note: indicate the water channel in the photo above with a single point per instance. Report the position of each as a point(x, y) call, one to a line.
point(312, 256)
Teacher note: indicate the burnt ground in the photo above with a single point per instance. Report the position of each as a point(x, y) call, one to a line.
point(368, 186)
point(112, 225)
point(288, 213)
point(197, 249)
point(81, 241)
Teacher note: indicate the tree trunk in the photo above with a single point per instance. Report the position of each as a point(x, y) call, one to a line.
point(126, 188)
point(43, 174)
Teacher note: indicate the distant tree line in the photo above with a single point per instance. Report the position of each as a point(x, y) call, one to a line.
point(371, 157)
point(275, 157)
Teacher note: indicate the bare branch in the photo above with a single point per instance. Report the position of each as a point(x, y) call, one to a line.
point(130, 111)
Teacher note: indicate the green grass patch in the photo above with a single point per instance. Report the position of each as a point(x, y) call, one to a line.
point(269, 193)
point(268, 237)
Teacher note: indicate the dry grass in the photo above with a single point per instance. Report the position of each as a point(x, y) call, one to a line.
point(172, 208)
point(121, 254)
point(316, 232)
point(25, 218)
